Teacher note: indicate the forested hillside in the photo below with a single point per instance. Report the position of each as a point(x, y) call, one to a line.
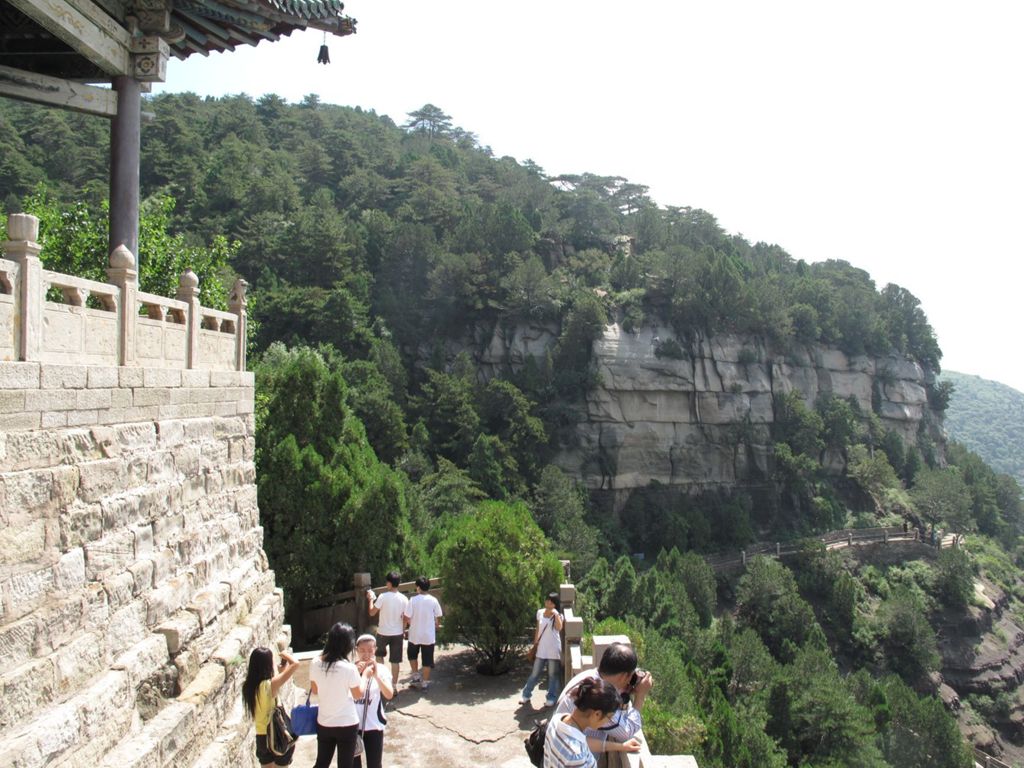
point(988, 418)
point(370, 245)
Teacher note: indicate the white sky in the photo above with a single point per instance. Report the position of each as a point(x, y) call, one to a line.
point(889, 134)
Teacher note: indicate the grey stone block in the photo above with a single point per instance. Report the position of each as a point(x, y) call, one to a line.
point(102, 377)
point(179, 630)
point(63, 376)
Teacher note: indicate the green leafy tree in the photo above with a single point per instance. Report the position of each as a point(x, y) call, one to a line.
point(430, 121)
point(448, 408)
point(496, 567)
point(954, 578)
point(920, 733)
point(941, 496)
point(907, 637)
point(767, 600)
point(74, 240)
point(327, 505)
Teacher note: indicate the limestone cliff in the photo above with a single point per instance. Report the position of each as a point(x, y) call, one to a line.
point(697, 413)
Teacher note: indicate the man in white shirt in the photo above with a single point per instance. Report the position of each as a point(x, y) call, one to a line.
point(423, 617)
point(391, 606)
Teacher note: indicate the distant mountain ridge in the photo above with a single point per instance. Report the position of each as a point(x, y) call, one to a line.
point(988, 418)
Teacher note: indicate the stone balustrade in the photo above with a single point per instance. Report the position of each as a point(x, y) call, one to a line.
point(122, 326)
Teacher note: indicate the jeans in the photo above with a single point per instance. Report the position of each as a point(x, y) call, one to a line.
point(554, 678)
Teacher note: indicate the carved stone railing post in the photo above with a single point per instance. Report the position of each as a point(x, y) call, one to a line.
point(123, 274)
point(21, 247)
point(237, 303)
point(188, 291)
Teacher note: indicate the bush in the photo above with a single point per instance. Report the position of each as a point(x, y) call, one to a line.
point(954, 579)
point(496, 568)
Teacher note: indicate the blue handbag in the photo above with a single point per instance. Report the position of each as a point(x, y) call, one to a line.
point(304, 718)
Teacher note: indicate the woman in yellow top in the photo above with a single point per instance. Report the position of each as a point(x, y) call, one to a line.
point(259, 694)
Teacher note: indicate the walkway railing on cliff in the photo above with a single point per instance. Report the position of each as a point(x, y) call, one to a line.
point(846, 537)
point(125, 327)
point(983, 760)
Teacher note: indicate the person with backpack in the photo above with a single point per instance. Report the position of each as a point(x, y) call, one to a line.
point(595, 702)
point(259, 696)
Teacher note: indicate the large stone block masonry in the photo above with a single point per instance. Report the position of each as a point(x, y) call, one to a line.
point(132, 578)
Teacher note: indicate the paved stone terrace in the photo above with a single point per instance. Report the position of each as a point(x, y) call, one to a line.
point(465, 720)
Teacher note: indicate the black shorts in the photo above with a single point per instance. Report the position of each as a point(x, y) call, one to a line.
point(428, 653)
point(392, 642)
point(264, 756)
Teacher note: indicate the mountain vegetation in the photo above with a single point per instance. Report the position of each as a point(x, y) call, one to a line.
point(988, 418)
point(372, 247)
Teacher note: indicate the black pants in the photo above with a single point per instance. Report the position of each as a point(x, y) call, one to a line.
point(328, 739)
point(373, 743)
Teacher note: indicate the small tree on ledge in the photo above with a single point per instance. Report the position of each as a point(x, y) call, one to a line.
point(496, 566)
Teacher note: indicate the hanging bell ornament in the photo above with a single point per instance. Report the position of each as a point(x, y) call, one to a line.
point(324, 57)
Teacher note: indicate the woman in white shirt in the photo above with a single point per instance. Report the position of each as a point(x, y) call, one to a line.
point(548, 638)
point(565, 745)
point(370, 708)
point(337, 683)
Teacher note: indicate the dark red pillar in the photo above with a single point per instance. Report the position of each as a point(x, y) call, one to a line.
point(125, 146)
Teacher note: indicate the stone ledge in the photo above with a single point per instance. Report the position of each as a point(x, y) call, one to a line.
point(82, 727)
point(158, 741)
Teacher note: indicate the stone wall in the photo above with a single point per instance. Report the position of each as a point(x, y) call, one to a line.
point(132, 576)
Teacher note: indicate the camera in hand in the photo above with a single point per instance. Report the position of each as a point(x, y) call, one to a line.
point(638, 675)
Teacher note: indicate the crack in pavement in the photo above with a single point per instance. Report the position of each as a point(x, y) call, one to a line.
point(462, 736)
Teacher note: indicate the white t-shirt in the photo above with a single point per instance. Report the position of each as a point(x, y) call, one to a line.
point(550, 646)
point(391, 606)
point(423, 611)
point(334, 690)
point(375, 719)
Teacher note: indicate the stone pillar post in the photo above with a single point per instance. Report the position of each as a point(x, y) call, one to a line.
point(885, 536)
point(125, 141)
point(567, 595)
point(361, 582)
point(123, 274)
point(572, 634)
point(743, 556)
point(778, 549)
point(237, 304)
point(188, 291)
point(22, 248)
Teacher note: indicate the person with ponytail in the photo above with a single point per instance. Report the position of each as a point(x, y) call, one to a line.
point(259, 695)
point(595, 703)
point(338, 685)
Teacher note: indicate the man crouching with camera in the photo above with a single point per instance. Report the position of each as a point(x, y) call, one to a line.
point(618, 666)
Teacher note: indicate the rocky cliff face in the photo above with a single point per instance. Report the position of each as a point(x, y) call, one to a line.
point(698, 413)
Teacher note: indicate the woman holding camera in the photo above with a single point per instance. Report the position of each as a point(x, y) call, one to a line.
point(547, 640)
point(259, 695)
